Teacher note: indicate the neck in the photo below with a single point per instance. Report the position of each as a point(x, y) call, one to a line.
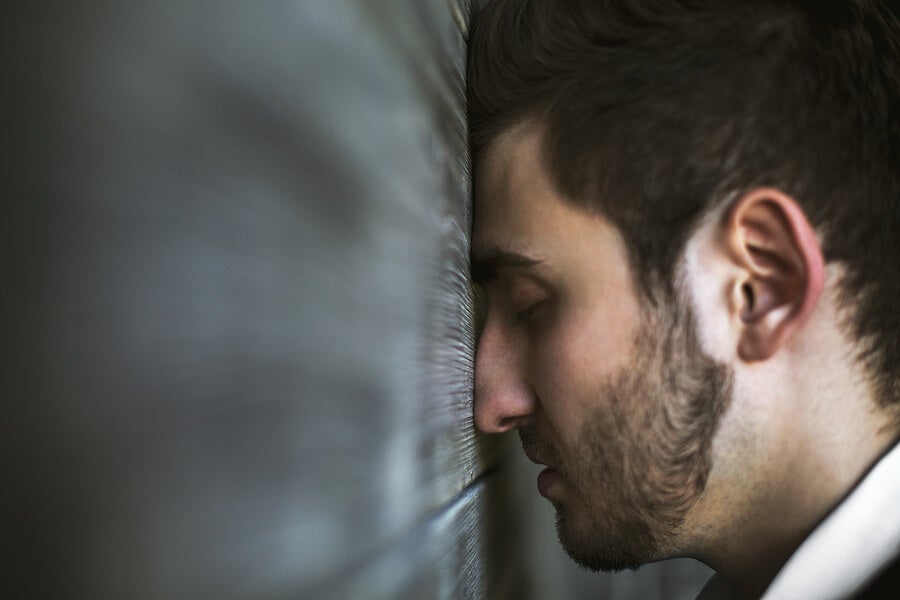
point(757, 558)
point(774, 490)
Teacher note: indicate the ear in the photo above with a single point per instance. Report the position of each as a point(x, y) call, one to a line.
point(781, 270)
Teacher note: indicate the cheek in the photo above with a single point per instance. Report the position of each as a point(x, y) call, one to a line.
point(575, 357)
point(591, 344)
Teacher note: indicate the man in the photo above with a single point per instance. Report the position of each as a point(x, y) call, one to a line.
point(685, 235)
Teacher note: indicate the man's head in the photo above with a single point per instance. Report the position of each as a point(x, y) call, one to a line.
point(701, 197)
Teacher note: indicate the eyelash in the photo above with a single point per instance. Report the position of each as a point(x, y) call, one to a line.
point(528, 314)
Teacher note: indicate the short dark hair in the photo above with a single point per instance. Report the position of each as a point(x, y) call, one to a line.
point(654, 112)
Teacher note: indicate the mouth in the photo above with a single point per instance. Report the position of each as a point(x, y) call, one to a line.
point(534, 458)
point(548, 478)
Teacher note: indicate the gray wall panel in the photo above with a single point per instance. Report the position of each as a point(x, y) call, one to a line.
point(246, 359)
point(450, 555)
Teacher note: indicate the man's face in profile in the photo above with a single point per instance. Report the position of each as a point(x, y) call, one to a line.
point(614, 397)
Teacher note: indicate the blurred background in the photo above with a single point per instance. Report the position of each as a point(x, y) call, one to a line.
point(240, 330)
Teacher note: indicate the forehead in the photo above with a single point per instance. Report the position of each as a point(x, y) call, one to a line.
point(506, 178)
point(518, 209)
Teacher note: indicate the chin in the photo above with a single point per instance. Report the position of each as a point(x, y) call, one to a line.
point(606, 545)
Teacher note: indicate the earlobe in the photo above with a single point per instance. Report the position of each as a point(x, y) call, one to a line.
point(781, 270)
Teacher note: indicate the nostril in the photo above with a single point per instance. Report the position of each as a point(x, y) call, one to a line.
point(503, 404)
point(507, 424)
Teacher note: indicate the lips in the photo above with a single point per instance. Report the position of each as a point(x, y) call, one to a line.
point(536, 450)
point(547, 480)
point(534, 458)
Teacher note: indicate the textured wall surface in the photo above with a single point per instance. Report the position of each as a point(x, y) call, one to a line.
point(242, 330)
point(245, 366)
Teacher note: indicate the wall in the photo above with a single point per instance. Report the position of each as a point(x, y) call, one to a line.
point(242, 325)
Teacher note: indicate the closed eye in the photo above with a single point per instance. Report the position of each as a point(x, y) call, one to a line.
point(529, 314)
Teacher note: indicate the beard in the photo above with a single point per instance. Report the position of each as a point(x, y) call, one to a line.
point(642, 459)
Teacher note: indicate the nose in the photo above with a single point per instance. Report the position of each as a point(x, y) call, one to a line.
point(503, 398)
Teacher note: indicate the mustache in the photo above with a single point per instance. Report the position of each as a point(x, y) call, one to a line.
point(539, 447)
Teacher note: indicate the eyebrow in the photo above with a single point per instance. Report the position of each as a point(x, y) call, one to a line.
point(486, 266)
